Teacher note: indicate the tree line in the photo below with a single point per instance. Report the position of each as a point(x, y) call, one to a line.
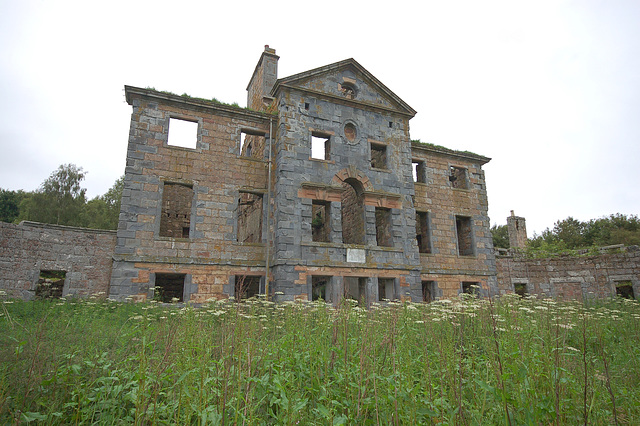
point(572, 234)
point(61, 200)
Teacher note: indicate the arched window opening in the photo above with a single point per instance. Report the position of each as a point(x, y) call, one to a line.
point(352, 212)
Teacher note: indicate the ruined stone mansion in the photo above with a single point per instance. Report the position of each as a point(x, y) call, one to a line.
point(316, 185)
point(314, 191)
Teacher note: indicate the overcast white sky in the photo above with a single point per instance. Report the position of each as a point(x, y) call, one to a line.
point(550, 90)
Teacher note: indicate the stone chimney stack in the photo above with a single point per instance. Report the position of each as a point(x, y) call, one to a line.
point(262, 80)
point(517, 231)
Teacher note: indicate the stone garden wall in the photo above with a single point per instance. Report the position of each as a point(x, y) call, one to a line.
point(29, 251)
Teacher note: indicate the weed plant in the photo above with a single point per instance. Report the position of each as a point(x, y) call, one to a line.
point(468, 361)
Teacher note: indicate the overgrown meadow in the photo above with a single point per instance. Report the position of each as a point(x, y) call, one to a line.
point(506, 361)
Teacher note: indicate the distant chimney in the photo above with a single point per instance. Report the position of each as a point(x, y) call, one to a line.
point(262, 81)
point(517, 231)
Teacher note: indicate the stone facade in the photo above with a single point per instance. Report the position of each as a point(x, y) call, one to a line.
point(81, 256)
point(335, 221)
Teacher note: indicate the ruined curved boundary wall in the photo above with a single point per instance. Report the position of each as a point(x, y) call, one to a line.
point(85, 255)
point(571, 277)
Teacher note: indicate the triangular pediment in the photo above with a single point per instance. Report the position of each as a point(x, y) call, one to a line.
point(349, 81)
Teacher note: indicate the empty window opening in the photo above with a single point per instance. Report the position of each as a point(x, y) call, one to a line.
point(50, 284)
point(391, 124)
point(378, 156)
point(419, 171)
point(249, 217)
point(463, 231)
point(428, 291)
point(320, 146)
point(423, 232)
point(175, 218)
point(320, 226)
point(352, 209)
point(458, 177)
point(246, 286)
point(348, 90)
point(386, 289)
point(252, 144)
point(182, 133)
point(355, 288)
point(471, 287)
point(306, 106)
point(320, 288)
point(383, 227)
point(625, 289)
point(169, 287)
point(520, 289)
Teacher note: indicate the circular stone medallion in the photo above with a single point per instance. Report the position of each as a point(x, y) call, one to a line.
point(350, 132)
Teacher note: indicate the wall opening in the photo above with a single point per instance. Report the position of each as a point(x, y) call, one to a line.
point(169, 287)
point(471, 287)
point(423, 232)
point(419, 171)
point(378, 156)
point(428, 291)
point(463, 232)
point(348, 90)
point(356, 288)
point(249, 217)
point(252, 144)
point(386, 289)
point(383, 227)
point(246, 286)
point(352, 210)
point(458, 177)
point(625, 289)
point(520, 289)
point(182, 133)
point(320, 146)
point(50, 284)
point(320, 288)
point(175, 218)
point(320, 222)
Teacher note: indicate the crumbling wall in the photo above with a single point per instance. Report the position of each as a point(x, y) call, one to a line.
point(84, 255)
point(517, 228)
point(571, 277)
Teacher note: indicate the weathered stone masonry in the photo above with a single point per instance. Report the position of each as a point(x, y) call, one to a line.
point(250, 199)
point(345, 221)
point(571, 277)
point(615, 271)
point(84, 255)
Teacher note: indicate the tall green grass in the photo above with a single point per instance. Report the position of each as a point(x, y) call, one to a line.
point(507, 361)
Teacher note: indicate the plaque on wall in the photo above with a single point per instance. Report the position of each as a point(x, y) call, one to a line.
point(356, 255)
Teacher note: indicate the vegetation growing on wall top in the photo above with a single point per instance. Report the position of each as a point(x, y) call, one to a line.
point(442, 148)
